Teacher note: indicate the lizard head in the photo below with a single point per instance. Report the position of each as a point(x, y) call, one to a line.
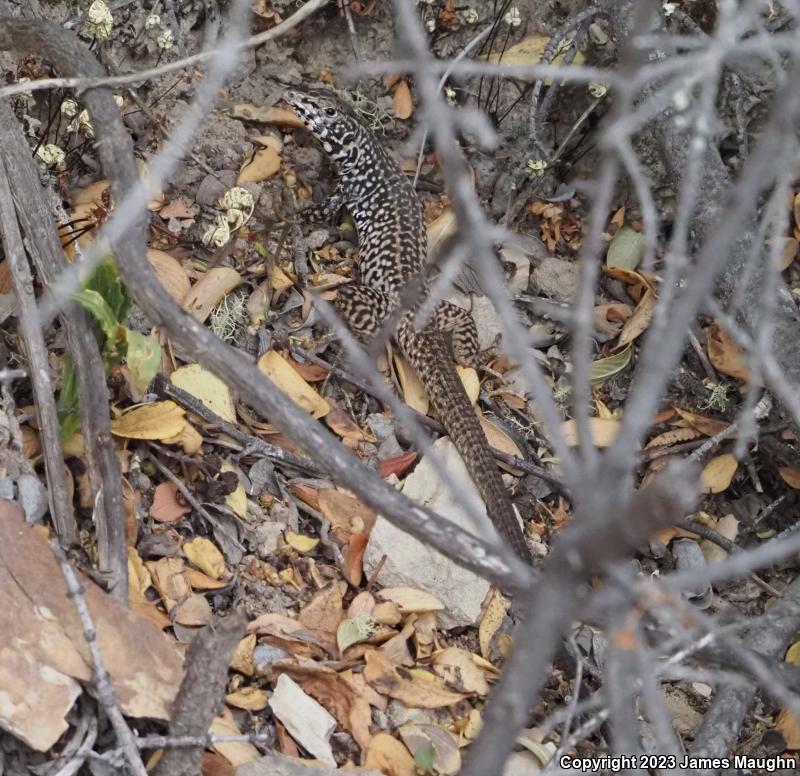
point(329, 120)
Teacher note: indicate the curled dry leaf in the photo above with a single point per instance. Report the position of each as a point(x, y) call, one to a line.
point(324, 610)
point(434, 748)
point(301, 542)
point(210, 290)
point(640, 319)
point(470, 381)
point(281, 117)
point(718, 473)
point(235, 752)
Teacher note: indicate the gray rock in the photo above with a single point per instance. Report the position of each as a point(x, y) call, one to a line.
point(411, 563)
point(556, 278)
point(32, 497)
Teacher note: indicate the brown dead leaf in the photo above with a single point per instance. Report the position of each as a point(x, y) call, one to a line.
point(673, 437)
point(347, 514)
point(790, 475)
point(281, 117)
point(157, 420)
point(180, 207)
point(410, 689)
point(45, 657)
point(403, 102)
point(414, 394)
point(398, 465)
point(281, 373)
point(608, 318)
point(708, 426)
point(168, 506)
point(604, 431)
point(247, 698)
point(311, 373)
point(639, 321)
point(345, 427)
point(324, 610)
point(725, 354)
point(332, 691)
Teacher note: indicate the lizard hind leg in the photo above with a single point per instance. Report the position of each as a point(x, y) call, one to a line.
point(458, 323)
point(363, 309)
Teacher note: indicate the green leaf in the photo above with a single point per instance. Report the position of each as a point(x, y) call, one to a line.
point(605, 368)
point(424, 758)
point(106, 281)
point(93, 302)
point(626, 249)
point(68, 401)
point(143, 358)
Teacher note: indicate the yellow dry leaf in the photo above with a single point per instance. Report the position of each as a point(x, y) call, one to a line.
point(189, 439)
point(247, 698)
point(300, 542)
point(458, 669)
point(264, 164)
point(205, 555)
point(237, 500)
point(138, 575)
point(470, 381)
point(209, 291)
point(170, 274)
point(409, 599)
point(718, 473)
point(413, 391)
point(286, 378)
point(91, 194)
point(529, 51)
point(440, 229)
point(159, 420)
point(403, 102)
point(235, 752)
point(387, 755)
point(492, 618)
point(604, 431)
point(200, 581)
point(206, 387)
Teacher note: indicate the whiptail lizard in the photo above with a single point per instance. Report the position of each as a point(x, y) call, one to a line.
point(393, 246)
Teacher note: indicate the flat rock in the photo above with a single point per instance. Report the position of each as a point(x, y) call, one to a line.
point(411, 563)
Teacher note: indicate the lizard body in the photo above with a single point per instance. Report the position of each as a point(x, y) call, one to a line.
point(393, 246)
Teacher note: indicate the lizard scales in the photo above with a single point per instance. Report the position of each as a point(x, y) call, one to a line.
point(393, 246)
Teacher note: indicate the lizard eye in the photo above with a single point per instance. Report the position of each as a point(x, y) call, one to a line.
point(330, 112)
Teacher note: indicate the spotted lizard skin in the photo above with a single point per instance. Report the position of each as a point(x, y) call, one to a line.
point(393, 246)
